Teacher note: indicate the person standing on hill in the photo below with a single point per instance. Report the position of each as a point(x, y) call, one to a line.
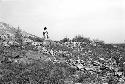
point(45, 33)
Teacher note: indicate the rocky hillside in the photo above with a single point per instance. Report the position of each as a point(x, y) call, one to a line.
point(8, 29)
point(68, 61)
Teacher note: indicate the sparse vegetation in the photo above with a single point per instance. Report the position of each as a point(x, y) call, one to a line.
point(80, 38)
point(65, 40)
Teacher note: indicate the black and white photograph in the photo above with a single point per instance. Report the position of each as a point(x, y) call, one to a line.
point(62, 41)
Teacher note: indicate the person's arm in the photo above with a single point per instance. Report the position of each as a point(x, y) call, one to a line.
point(47, 32)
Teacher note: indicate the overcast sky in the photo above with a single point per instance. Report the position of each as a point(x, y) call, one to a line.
point(101, 19)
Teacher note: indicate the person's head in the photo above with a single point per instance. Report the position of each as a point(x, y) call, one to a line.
point(45, 28)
